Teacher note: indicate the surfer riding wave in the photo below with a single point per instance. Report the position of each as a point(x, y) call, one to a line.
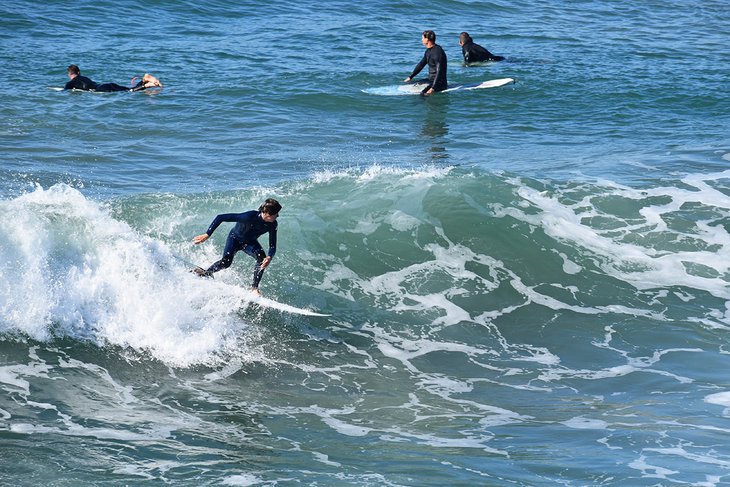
point(250, 225)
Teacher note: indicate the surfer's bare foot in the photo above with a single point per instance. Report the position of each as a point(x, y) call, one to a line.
point(256, 291)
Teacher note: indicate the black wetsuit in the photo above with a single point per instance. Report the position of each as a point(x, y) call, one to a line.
point(435, 57)
point(249, 227)
point(83, 83)
point(474, 53)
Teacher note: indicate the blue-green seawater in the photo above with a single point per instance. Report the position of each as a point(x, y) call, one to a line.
point(527, 285)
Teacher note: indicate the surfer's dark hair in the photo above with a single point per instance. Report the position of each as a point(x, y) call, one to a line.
point(430, 35)
point(465, 37)
point(270, 207)
point(73, 69)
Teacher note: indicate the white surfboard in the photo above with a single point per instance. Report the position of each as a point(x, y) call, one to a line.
point(249, 297)
point(414, 88)
point(492, 83)
point(270, 303)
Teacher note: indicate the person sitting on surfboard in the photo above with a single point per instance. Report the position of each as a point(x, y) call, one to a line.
point(250, 225)
point(474, 53)
point(435, 57)
point(78, 82)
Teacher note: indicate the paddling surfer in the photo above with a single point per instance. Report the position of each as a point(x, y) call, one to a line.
point(250, 225)
point(79, 82)
point(474, 53)
point(435, 58)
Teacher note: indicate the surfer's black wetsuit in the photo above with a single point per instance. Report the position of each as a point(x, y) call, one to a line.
point(435, 57)
point(249, 227)
point(83, 83)
point(474, 53)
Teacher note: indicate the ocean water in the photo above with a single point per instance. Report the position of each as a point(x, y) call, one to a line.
point(527, 285)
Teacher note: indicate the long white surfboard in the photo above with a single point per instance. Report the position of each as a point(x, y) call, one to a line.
point(416, 88)
point(492, 83)
point(270, 303)
point(250, 297)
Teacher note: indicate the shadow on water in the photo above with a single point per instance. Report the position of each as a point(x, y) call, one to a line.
point(435, 129)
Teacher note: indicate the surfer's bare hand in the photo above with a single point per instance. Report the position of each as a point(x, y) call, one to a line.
point(200, 238)
point(265, 263)
point(150, 81)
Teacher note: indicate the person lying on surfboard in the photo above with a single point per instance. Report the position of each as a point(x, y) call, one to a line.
point(473, 52)
point(435, 57)
point(250, 225)
point(78, 82)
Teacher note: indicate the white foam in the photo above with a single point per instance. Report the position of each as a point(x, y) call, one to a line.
point(135, 470)
point(10, 376)
point(627, 258)
point(586, 423)
point(720, 399)
point(327, 416)
point(569, 267)
point(632, 365)
point(694, 457)
point(123, 393)
point(241, 480)
point(325, 459)
point(76, 271)
point(468, 441)
point(374, 171)
point(73, 429)
point(405, 350)
point(402, 222)
point(345, 428)
point(651, 471)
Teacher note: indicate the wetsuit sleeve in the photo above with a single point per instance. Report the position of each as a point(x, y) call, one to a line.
point(225, 217)
point(272, 242)
point(419, 67)
point(139, 86)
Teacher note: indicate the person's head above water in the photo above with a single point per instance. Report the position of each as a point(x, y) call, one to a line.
point(270, 207)
point(464, 38)
point(73, 70)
